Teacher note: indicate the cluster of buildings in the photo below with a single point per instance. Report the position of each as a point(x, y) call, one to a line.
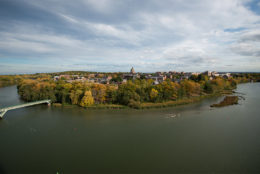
point(91, 78)
point(158, 77)
point(214, 74)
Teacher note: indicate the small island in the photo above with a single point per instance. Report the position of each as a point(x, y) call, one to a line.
point(228, 100)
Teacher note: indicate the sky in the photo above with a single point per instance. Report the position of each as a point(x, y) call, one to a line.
point(115, 35)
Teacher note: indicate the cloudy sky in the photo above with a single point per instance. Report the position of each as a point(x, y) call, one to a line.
point(114, 35)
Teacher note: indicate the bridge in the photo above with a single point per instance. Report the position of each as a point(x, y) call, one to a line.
point(4, 110)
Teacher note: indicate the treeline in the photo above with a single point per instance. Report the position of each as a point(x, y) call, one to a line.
point(7, 80)
point(86, 73)
point(247, 76)
point(131, 94)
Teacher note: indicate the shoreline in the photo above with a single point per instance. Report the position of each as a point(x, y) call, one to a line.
point(148, 105)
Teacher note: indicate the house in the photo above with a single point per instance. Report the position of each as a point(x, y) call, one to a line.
point(157, 79)
point(56, 78)
point(187, 75)
point(225, 75)
point(66, 77)
point(195, 73)
point(91, 76)
point(106, 80)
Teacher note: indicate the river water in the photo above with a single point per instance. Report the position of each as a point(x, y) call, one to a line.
point(187, 139)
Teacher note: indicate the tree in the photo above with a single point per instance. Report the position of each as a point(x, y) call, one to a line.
point(153, 94)
point(126, 92)
point(190, 87)
point(99, 93)
point(202, 77)
point(116, 79)
point(87, 100)
point(75, 96)
point(111, 94)
point(134, 104)
point(208, 87)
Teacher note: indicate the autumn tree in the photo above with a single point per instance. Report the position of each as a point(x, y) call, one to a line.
point(99, 93)
point(111, 94)
point(87, 100)
point(153, 94)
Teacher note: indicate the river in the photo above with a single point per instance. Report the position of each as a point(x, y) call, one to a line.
point(186, 139)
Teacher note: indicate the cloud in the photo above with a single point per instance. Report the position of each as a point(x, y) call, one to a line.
point(251, 36)
point(247, 49)
point(248, 44)
point(150, 35)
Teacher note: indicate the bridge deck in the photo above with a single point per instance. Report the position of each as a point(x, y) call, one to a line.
point(4, 110)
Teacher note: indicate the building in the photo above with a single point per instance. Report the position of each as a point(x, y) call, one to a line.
point(105, 80)
point(132, 75)
point(132, 71)
point(225, 75)
point(208, 73)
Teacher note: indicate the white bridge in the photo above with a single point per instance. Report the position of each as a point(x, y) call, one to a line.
point(4, 110)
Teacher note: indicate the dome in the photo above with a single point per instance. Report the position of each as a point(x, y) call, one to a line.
point(132, 71)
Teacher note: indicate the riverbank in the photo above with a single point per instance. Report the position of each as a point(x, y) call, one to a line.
point(149, 105)
point(99, 106)
point(181, 101)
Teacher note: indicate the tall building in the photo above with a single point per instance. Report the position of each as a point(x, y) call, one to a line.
point(132, 75)
point(132, 71)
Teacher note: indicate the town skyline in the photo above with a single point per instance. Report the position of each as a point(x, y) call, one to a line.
point(137, 72)
point(111, 36)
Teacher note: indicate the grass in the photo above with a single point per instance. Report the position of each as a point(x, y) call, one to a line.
point(107, 106)
point(99, 106)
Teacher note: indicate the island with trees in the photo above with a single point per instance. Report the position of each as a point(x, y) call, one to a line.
point(124, 90)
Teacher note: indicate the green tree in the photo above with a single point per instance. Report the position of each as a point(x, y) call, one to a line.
point(75, 96)
point(208, 87)
point(111, 94)
point(126, 92)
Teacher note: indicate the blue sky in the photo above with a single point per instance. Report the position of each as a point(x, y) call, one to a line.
point(113, 35)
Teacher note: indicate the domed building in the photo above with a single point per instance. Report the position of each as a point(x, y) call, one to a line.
point(132, 71)
point(131, 76)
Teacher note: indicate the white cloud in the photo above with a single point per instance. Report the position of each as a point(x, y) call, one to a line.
point(102, 6)
point(146, 34)
point(247, 49)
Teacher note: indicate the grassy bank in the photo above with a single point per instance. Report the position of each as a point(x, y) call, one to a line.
point(177, 102)
point(100, 106)
point(107, 106)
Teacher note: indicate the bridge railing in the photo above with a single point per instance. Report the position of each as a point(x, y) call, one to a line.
point(4, 110)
